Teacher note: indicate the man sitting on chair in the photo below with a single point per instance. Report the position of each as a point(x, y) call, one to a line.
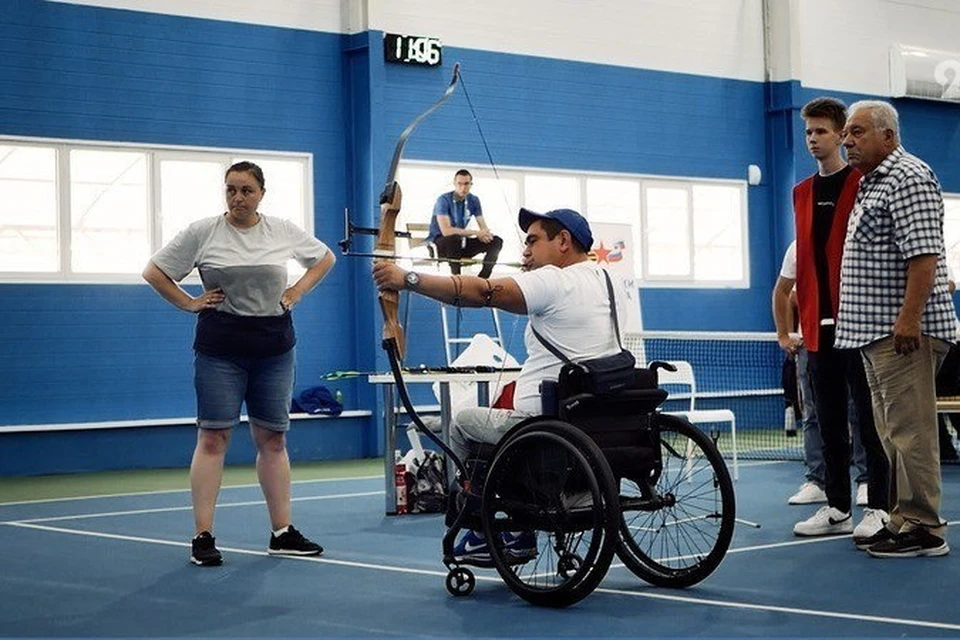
point(449, 232)
point(564, 294)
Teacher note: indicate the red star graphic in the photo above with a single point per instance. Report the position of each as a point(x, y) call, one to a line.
point(602, 253)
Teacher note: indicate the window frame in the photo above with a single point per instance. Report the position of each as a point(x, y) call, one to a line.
point(518, 173)
point(154, 153)
point(954, 264)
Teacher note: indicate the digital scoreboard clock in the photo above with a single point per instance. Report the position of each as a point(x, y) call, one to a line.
point(419, 50)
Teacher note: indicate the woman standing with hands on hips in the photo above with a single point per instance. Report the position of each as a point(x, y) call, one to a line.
point(244, 345)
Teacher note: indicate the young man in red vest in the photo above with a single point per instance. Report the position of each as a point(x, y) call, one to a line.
point(822, 205)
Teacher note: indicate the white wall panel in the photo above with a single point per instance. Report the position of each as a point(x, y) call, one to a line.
point(722, 38)
point(312, 15)
point(823, 43)
point(845, 45)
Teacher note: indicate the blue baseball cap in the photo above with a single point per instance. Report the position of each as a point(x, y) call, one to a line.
point(570, 219)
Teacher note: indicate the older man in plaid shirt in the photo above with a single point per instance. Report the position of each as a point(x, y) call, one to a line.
point(895, 308)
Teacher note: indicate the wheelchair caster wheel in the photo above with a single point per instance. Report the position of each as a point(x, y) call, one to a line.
point(568, 565)
point(460, 582)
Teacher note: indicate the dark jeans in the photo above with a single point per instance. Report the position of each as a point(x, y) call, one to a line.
point(834, 373)
point(457, 247)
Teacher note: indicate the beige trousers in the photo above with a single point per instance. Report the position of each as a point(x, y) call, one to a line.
point(904, 397)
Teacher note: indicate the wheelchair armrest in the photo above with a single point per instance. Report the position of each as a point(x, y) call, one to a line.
point(659, 364)
point(625, 403)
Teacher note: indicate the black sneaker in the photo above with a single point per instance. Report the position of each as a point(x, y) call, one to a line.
point(292, 543)
point(883, 534)
point(915, 543)
point(205, 553)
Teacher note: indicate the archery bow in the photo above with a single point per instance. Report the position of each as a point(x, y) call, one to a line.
point(393, 339)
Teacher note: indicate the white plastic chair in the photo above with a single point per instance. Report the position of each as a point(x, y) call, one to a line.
point(683, 377)
point(418, 238)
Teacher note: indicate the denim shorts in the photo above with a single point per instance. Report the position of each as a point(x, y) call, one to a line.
point(223, 383)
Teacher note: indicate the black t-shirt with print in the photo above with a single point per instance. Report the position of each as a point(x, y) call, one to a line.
point(826, 192)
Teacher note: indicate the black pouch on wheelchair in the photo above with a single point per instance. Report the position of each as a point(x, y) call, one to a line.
point(603, 376)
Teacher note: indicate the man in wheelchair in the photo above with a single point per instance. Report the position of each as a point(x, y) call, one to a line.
point(574, 316)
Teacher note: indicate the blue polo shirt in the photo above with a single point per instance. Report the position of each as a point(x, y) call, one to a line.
point(460, 212)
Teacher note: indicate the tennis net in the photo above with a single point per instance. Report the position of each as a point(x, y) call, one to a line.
point(735, 371)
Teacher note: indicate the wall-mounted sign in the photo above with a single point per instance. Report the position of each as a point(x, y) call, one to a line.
point(421, 50)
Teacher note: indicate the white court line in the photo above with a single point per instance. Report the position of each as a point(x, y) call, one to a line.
point(187, 490)
point(772, 545)
point(815, 613)
point(762, 463)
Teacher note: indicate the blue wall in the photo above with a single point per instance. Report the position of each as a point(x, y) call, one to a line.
point(928, 129)
point(75, 353)
point(87, 352)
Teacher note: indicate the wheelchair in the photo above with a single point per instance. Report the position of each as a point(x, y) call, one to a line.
point(603, 476)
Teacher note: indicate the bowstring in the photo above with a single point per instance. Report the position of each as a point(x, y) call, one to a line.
point(506, 202)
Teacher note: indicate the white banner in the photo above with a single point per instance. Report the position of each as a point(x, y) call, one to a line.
point(613, 246)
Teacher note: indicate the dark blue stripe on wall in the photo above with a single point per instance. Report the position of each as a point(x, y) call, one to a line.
point(561, 114)
point(929, 129)
point(164, 447)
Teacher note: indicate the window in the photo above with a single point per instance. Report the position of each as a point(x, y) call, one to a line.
point(685, 233)
point(668, 239)
point(189, 190)
point(617, 201)
point(545, 192)
point(718, 233)
point(109, 211)
point(28, 209)
point(951, 231)
point(76, 211)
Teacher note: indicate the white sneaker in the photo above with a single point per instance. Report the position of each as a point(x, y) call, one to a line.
point(809, 493)
point(862, 495)
point(873, 521)
point(827, 521)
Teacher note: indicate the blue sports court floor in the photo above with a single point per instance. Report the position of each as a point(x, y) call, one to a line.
point(116, 566)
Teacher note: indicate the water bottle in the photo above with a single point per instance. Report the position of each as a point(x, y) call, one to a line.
point(400, 480)
point(790, 423)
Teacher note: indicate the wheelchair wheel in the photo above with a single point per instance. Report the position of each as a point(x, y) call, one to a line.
point(549, 513)
point(676, 526)
point(460, 582)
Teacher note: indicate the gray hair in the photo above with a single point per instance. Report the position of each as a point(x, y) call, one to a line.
point(883, 115)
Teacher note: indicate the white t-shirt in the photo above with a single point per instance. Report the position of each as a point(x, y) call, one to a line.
point(789, 267)
point(569, 308)
point(250, 265)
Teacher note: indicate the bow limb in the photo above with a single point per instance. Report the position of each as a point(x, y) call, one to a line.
point(390, 201)
point(390, 184)
point(393, 338)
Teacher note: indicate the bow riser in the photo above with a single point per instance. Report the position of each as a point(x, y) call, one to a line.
point(386, 245)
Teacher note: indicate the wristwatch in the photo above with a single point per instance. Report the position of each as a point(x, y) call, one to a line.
point(411, 280)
